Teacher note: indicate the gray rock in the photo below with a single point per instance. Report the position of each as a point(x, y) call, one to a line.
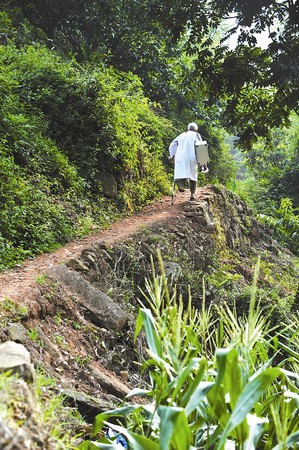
point(76, 264)
point(103, 310)
point(17, 332)
point(110, 384)
point(173, 271)
point(48, 344)
point(89, 407)
point(22, 428)
point(108, 183)
point(16, 358)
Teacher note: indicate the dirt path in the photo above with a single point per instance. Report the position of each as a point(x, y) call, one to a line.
point(16, 283)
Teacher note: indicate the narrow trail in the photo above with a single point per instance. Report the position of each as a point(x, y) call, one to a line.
point(15, 284)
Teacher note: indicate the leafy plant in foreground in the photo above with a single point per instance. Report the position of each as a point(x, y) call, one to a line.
point(198, 397)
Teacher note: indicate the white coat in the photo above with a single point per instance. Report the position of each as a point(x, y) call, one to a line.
point(183, 149)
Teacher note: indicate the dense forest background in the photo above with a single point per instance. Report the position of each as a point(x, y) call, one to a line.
point(92, 92)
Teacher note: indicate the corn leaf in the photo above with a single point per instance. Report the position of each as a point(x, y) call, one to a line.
point(198, 395)
point(290, 442)
point(146, 320)
point(196, 364)
point(257, 427)
point(93, 445)
point(192, 384)
point(290, 351)
point(136, 441)
point(250, 394)
point(233, 384)
point(174, 428)
point(101, 419)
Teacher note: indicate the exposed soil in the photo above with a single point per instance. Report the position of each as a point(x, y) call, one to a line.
point(14, 284)
point(19, 285)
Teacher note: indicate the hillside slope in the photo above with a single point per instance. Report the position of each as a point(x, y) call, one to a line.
point(75, 309)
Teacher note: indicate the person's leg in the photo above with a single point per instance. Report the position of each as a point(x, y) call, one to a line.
point(181, 184)
point(192, 189)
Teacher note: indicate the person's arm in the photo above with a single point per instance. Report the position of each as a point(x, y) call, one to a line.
point(172, 148)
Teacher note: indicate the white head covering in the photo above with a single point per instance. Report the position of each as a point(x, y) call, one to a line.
point(192, 126)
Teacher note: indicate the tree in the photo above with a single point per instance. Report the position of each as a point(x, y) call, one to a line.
point(256, 89)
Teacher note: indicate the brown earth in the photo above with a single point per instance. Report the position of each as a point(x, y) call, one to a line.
point(99, 378)
point(14, 284)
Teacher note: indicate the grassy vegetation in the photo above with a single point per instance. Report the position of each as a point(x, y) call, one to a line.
point(210, 384)
point(267, 181)
point(37, 414)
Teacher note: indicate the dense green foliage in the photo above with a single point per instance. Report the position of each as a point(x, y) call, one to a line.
point(43, 405)
point(257, 87)
point(63, 130)
point(270, 183)
point(80, 145)
point(285, 224)
point(99, 121)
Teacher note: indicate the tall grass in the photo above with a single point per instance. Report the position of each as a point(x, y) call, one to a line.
point(212, 383)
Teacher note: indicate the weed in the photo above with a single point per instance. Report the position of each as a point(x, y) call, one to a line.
point(18, 312)
point(41, 278)
point(58, 319)
point(56, 422)
point(33, 334)
point(83, 360)
point(61, 341)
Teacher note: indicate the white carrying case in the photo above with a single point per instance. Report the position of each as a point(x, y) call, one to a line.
point(202, 153)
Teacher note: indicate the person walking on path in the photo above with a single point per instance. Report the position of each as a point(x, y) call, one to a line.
point(182, 149)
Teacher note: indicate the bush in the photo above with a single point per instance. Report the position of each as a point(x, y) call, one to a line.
point(61, 127)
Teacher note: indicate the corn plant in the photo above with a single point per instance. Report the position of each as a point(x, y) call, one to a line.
point(201, 396)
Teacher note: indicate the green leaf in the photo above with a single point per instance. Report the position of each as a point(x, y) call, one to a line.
point(291, 352)
point(196, 364)
point(93, 445)
point(136, 441)
point(250, 394)
point(192, 384)
point(232, 377)
point(146, 320)
point(290, 441)
point(138, 391)
point(257, 426)
point(85, 446)
point(221, 357)
point(174, 428)
point(216, 395)
point(198, 395)
point(101, 419)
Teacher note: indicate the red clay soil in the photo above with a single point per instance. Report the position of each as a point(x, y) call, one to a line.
point(16, 283)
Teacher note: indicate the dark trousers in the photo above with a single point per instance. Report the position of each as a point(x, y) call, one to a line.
point(192, 186)
point(182, 184)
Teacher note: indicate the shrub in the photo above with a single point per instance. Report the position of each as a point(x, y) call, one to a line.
point(61, 126)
